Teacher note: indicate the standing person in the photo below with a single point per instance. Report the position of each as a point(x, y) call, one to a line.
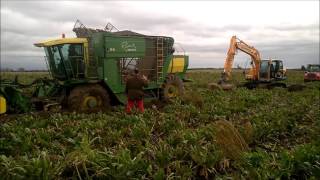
point(134, 91)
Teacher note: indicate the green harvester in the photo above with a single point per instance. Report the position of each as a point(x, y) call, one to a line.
point(89, 72)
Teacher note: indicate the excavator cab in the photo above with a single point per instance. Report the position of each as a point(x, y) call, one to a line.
point(279, 70)
point(266, 68)
point(271, 70)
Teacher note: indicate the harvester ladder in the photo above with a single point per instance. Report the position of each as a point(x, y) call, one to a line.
point(92, 64)
point(160, 59)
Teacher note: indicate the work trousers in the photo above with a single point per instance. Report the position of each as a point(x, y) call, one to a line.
point(135, 103)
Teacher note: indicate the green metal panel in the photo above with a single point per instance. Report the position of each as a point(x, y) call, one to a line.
point(114, 49)
point(98, 45)
point(186, 64)
point(110, 48)
point(122, 97)
point(125, 46)
point(111, 75)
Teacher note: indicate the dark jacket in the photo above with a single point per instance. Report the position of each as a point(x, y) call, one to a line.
point(134, 87)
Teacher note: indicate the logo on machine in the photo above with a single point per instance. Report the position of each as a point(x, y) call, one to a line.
point(128, 47)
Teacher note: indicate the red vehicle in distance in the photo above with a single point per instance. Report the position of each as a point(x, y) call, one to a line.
point(312, 73)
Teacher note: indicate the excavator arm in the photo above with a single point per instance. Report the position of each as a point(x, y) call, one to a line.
point(236, 44)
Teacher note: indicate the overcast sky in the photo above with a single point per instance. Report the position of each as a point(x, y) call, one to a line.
point(287, 30)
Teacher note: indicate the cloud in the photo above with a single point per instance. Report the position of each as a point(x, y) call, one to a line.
point(295, 27)
point(204, 34)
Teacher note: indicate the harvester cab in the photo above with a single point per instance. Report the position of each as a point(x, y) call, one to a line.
point(66, 57)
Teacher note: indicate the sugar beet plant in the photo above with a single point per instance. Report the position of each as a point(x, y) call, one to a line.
point(177, 141)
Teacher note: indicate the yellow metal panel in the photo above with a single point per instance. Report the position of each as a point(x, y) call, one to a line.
point(178, 65)
point(3, 106)
point(86, 52)
point(61, 41)
point(250, 74)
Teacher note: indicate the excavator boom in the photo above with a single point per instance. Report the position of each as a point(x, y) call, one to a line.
point(236, 44)
point(230, 57)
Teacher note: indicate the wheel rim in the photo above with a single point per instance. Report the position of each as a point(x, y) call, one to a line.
point(90, 102)
point(172, 91)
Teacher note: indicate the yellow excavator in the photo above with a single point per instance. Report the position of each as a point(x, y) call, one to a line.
point(261, 71)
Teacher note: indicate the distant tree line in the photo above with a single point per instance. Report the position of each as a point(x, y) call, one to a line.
point(22, 70)
point(303, 68)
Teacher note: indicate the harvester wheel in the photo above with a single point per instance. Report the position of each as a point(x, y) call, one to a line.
point(172, 87)
point(88, 98)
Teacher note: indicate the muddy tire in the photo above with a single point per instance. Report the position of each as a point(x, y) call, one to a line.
point(173, 87)
point(89, 98)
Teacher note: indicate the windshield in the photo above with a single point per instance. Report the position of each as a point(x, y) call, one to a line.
point(65, 60)
point(314, 68)
point(277, 65)
point(264, 68)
